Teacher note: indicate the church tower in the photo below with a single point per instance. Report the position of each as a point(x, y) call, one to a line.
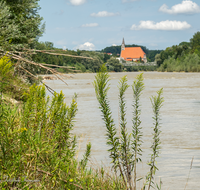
point(123, 45)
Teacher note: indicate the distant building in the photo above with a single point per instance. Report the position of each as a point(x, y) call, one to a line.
point(109, 53)
point(132, 53)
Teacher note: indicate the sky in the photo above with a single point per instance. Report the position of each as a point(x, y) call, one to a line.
point(96, 24)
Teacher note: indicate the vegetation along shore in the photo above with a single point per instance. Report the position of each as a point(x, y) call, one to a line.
point(37, 146)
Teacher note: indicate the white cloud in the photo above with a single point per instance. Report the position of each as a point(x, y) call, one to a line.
point(77, 2)
point(114, 45)
point(90, 25)
point(86, 46)
point(104, 14)
point(64, 47)
point(186, 7)
point(163, 25)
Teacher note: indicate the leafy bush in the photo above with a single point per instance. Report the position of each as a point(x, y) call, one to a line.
point(37, 141)
point(37, 148)
point(10, 84)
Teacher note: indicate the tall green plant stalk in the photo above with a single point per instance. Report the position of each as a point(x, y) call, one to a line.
point(101, 89)
point(125, 151)
point(5, 66)
point(137, 87)
point(157, 102)
point(122, 157)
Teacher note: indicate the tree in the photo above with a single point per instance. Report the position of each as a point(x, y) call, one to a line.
point(195, 42)
point(91, 64)
point(140, 60)
point(158, 59)
point(23, 14)
point(185, 44)
point(9, 29)
point(115, 63)
point(106, 57)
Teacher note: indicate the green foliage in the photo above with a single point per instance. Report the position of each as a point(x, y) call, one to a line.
point(115, 64)
point(124, 147)
point(174, 51)
point(106, 57)
point(21, 27)
point(37, 147)
point(23, 22)
point(157, 102)
point(126, 151)
point(5, 66)
point(81, 64)
point(138, 87)
point(187, 63)
point(184, 57)
point(11, 85)
point(86, 156)
point(92, 65)
point(84, 65)
point(151, 55)
point(112, 49)
point(101, 90)
point(195, 42)
point(9, 29)
point(158, 59)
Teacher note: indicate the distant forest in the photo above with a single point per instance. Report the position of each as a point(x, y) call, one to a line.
point(117, 49)
point(84, 65)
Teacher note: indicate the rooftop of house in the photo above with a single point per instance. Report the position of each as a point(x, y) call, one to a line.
point(132, 53)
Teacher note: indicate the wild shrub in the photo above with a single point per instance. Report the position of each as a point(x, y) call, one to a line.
point(37, 147)
point(125, 151)
point(36, 142)
point(10, 84)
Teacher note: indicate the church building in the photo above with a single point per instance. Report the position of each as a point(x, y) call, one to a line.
point(132, 53)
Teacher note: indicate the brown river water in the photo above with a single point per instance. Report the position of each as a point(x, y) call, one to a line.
point(180, 136)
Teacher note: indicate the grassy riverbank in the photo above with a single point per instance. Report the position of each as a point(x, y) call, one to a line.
point(38, 149)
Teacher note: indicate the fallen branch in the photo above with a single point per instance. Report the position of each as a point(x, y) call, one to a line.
point(76, 56)
point(48, 88)
point(66, 67)
point(38, 64)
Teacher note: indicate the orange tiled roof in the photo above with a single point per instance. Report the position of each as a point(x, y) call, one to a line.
point(132, 53)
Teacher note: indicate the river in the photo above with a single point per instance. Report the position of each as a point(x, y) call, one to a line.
point(180, 136)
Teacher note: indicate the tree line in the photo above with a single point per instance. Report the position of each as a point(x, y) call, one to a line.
point(87, 65)
point(182, 57)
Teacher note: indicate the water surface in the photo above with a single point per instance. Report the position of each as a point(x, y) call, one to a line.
point(180, 137)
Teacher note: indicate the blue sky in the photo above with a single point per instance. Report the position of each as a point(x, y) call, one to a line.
point(96, 24)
